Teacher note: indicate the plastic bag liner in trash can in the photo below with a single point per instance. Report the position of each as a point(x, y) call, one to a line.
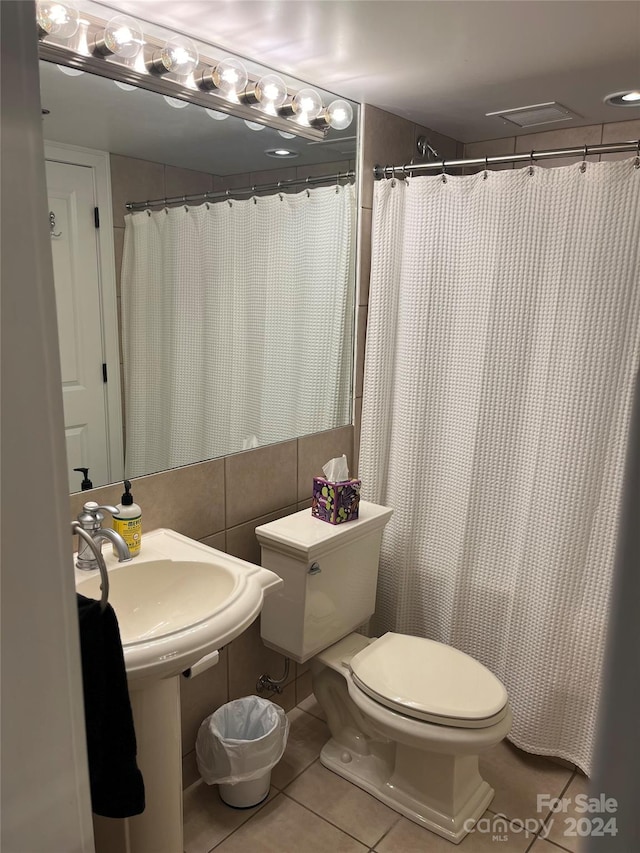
point(238, 745)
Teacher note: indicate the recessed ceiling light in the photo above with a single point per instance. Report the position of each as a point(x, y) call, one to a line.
point(628, 98)
point(282, 153)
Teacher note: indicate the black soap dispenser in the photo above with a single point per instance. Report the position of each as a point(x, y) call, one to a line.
point(86, 482)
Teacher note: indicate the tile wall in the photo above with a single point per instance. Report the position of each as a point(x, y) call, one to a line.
point(561, 137)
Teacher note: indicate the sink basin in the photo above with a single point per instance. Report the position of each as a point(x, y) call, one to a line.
point(178, 601)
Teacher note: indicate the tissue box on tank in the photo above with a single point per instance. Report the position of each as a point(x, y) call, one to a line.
point(335, 502)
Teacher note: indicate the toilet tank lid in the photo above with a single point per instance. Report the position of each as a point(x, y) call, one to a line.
point(302, 535)
point(428, 679)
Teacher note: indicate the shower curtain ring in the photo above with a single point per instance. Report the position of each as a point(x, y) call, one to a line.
point(486, 168)
point(636, 165)
point(531, 164)
point(393, 176)
point(583, 165)
point(443, 174)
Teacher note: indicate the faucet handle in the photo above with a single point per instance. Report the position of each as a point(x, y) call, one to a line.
point(92, 514)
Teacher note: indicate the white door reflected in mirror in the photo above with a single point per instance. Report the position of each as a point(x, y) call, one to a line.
point(76, 267)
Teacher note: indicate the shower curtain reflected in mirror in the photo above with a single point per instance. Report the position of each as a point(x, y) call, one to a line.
point(237, 325)
point(502, 346)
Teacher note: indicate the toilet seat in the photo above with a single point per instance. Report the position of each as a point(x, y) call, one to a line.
point(429, 681)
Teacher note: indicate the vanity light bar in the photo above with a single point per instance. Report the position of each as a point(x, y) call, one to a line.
point(221, 85)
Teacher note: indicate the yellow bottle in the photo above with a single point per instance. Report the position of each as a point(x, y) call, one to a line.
point(128, 521)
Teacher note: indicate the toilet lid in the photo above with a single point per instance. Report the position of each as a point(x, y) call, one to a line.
point(429, 681)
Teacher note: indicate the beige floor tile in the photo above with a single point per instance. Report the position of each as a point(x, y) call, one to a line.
point(283, 826)
point(518, 777)
point(542, 846)
point(207, 820)
point(342, 804)
point(490, 836)
point(307, 736)
point(560, 825)
point(310, 705)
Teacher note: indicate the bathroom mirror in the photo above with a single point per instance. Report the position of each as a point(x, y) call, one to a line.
point(278, 336)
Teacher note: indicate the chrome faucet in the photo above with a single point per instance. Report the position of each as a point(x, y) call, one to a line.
point(90, 520)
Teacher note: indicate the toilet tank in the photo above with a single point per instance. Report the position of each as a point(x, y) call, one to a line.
point(330, 574)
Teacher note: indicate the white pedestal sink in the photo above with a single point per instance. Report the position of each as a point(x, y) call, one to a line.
point(177, 602)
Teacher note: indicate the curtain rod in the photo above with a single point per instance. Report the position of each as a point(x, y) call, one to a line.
point(248, 190)
point(582, 151)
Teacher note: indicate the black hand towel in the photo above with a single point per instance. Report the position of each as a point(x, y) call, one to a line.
point(117, 788)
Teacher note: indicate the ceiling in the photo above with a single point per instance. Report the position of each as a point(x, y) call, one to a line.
point(439, 63)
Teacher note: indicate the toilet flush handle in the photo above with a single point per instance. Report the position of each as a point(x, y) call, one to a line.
point(314, 569)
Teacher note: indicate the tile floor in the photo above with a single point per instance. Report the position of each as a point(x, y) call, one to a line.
point(311, 810)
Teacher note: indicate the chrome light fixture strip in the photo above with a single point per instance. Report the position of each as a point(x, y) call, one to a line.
point(51, 51)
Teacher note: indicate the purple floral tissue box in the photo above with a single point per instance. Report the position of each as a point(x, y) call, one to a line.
point(335, 502)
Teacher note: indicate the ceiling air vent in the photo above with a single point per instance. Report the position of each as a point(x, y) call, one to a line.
point(535, 114)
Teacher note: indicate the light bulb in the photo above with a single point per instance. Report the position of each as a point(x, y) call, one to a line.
point(339, 114)
point(56, 19)
point(215, 115)
point(126, 87)
point(176, 103)
point(254, 125)
point(285, 135)
point(631, 96)
point(306, 105)
point(121, 37)
point(229, 77)
point(270, 92)
point(178, 56)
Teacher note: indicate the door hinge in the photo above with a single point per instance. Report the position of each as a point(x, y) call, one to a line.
point(96, 216)
point(104, 372)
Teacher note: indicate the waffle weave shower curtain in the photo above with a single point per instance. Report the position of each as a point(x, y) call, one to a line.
point(236, 325)
point(502, 346)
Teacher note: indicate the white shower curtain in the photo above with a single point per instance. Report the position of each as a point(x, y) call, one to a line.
point(502, 346)
point(237, 324)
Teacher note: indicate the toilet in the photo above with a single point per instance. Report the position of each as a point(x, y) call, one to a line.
point(408, 716)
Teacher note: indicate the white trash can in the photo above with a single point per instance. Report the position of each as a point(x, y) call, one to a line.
point(237, 747)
